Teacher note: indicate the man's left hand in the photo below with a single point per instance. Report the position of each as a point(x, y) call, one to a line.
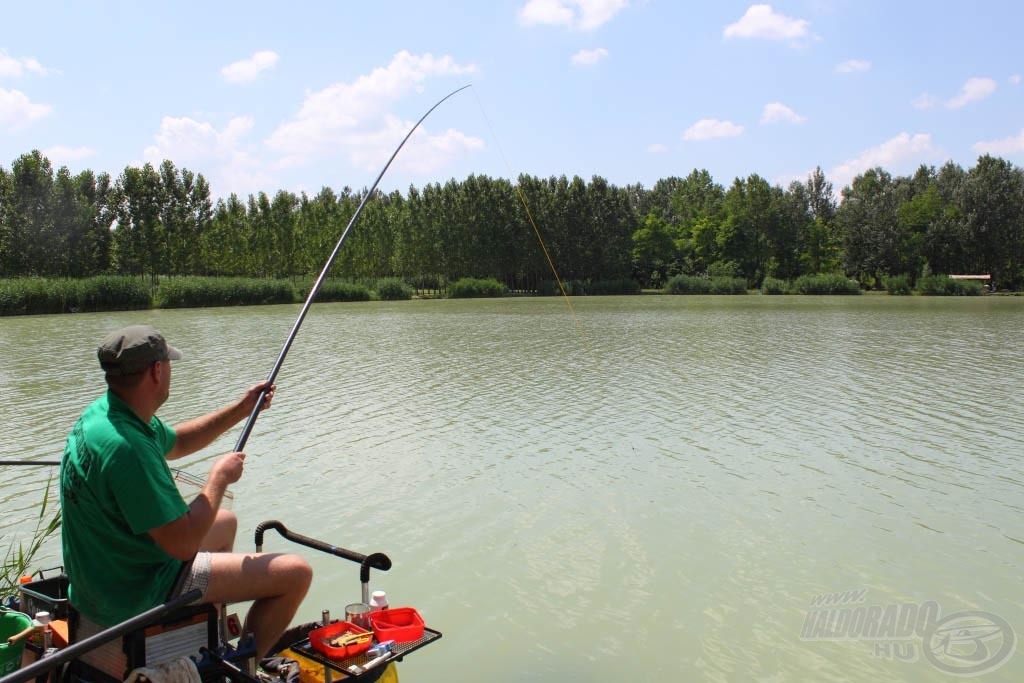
point(252, 395)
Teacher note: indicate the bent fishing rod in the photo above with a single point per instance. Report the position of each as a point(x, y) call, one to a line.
point(249, 423)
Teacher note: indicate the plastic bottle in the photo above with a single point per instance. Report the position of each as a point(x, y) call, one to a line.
point(378, 601)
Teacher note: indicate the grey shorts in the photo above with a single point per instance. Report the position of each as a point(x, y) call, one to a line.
point(193, 574)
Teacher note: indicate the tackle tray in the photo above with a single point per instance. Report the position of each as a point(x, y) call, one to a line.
point(303, 648)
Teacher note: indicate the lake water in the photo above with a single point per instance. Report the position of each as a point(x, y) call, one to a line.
point(653, 489)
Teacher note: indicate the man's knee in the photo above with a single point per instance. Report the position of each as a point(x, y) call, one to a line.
point(227, 520)
point(299, 573)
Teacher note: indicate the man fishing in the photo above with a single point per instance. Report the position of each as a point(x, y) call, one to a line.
point(130, 540)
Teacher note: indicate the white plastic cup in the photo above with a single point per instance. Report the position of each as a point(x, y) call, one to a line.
point(378, 601)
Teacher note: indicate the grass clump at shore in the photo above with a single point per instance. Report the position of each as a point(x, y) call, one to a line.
point(393, 289)
point(199, 292)
point(336, 290)
point(36, 296)
point(897, 284)
point(943, 285)
point(773, 286)
point(825, 283)
point(475, 288)
point(692, 284)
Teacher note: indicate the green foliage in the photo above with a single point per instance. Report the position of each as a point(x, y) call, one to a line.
point(825, 283)
point(36, 296)
point(943, 285)
point(157, 221)
point(719, 269)
point(470, 288)
point(18, 559)
point(897, 284)
point(773, 285)
point(336, 290)
point(689, 284)
point(607, 287)
point(393, 289)
point(195, 292)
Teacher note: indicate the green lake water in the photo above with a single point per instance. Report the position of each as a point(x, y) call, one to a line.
point(650, 489)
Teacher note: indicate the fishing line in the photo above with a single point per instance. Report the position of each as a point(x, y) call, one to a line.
point(551, 264)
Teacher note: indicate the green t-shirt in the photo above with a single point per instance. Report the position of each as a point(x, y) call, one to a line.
point(115, 486)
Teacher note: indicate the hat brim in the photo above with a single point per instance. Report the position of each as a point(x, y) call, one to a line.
point(173, 353)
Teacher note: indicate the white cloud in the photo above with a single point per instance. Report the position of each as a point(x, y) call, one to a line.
point(657, 148)
point(61, 155)
point(16, 68)
point(889, 155)
point(706, 129)
point(761, 21)
point(973, 90)
point(17, 111)
point(581, 15)
point(227, 161)
point(1015, 79)
point(925, 101)
point(248, 70)
point(1006, 146)
point(425, 153)
point(589, 57)
point(346, 116)
point(776, 112)
point(186, 141)
point(851, 66)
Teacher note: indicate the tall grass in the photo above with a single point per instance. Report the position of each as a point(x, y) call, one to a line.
point(897, 284)
point(197, 292)
point(471, 288)
point(825, 283)
point(35, 296)
point(692, 284)
point(18, 558)
point(393, 289)
point(773, 285)
point(943, 285)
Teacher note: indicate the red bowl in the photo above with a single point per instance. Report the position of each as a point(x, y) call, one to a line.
point(400, 624)
point(320, 640)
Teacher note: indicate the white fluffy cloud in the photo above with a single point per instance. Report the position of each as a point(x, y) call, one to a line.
point(761, 21)
point(17, 111)
point(16, 68)
point(1015, 79)
point(1004, 147)
point(61, 155)
point(248, 70)
point(890, 155)
point(777, 112)
point(706, 129)
point(589, 57)
point(851, 66)
point(346, 116)
point(581, 15)
point(657, 148)
point(227, 161)
point(973, 90)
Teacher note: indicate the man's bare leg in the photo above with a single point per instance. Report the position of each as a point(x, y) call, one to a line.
point(221, 536)
point(276, 583)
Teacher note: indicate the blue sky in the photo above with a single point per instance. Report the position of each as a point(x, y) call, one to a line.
point(271, 95)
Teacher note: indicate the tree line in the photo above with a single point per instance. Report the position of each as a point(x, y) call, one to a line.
point(154, 221)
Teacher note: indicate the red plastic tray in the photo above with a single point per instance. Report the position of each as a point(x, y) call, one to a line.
point(319, 640)
point(400, 624)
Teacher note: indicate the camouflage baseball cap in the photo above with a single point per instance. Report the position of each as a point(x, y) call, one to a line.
point(133, 349)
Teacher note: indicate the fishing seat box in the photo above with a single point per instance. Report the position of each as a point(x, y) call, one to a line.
point(178, 634)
